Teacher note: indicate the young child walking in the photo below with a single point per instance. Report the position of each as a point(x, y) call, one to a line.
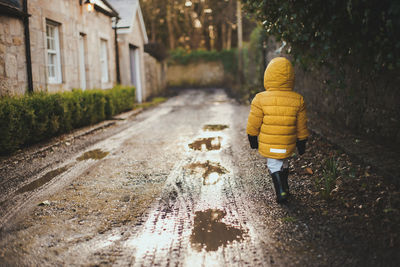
point(277, 123)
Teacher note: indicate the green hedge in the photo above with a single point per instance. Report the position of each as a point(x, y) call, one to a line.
point(183, 57)
point(32, 118)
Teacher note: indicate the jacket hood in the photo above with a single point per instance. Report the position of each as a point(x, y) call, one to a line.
point(279, 75)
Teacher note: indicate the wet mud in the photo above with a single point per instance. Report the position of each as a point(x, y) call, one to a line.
point(215, 127)
point(207, 144)
point(210, 233)
point(93, 154)
point(43, 180)
point(142, 206)
point(211, 171)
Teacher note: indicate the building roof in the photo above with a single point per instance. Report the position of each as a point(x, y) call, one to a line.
point(105, 7)
point(12, 8)
point(128, 11)
point(11, 3)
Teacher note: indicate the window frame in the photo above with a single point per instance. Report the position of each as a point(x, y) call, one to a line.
point(54, 53)
point(105, 75)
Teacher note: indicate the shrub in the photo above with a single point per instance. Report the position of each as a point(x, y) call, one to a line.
point(326, 183)
point(183, 57)
point(32, 118)
point(321, 31)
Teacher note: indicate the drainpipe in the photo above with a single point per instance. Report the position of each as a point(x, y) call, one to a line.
point(117, 51)
point(27, 47)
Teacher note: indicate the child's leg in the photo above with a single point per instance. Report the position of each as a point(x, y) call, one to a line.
point(285, 174)
point(275, 167)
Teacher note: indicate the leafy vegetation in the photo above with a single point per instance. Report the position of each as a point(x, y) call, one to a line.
point(327, 32)
point(183, 57)
point(326, 183)
point(153, 102)
point(33, 118)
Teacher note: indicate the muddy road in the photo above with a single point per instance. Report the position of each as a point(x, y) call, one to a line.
point(162, 188)
point(178, 185)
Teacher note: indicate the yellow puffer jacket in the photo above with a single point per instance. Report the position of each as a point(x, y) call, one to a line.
point(278, 115)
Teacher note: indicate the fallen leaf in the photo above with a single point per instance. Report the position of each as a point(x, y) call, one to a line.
point(44, 203)
point(309, 171)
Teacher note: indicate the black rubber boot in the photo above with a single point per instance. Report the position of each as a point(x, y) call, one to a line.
point(285, 185)
point(281, 195)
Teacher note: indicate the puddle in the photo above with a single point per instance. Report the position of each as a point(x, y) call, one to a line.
point(210, 233)
point(41, 181)
point(219, 102)
point(93, 154)
point(214, 127)
point(212, 171)
point(211, 143)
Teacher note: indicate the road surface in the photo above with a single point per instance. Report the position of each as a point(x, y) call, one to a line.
point(177, 185)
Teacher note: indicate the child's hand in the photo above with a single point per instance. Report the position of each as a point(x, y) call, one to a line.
point(301, 146)
point(253, 141)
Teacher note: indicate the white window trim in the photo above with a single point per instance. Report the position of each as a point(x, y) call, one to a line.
point(105, 77)
point(58, 77)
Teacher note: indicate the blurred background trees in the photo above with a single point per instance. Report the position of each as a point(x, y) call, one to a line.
point(194, 24)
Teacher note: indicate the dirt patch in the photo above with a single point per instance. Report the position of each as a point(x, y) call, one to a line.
point(43, 180)
point(210, 143)
point(93, 154)
point(351, 218)
point(210, 233)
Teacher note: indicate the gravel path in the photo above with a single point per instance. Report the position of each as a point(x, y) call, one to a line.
point(178, 185)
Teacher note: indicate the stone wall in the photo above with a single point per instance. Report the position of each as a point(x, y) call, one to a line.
point(13, 77)
point(365, 106)
point(369, 108)
point(201, 74)
point(156, 76)
point(73, 21)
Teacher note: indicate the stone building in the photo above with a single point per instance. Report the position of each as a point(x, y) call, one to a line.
point(71, 44)
point(13, 71)
point(132, 37)
point(65, 44)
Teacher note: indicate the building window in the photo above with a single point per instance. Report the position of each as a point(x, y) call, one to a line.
point(53, 53)
point(104, 61)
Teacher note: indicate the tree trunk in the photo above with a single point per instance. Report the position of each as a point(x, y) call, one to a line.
point(223, 35)
point(153, 31)
point(240, 40)
point(171, 36)
point(229, 38)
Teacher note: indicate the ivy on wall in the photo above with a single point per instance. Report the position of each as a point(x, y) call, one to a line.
point(366, 32)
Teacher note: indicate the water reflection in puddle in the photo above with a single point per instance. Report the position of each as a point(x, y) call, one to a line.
point(210, 233)
point(217, 102)
point(93, 154)
point(210, 143)
point(41, 181)
point(214, 127)
point(211, 171)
